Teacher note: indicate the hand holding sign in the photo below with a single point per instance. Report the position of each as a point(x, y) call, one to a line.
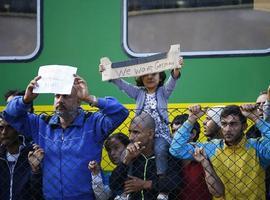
point(29, 96)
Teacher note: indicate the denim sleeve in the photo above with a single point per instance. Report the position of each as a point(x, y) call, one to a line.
point(180, 146)
point(131, 90)
point(266, 111)
point(263, 144)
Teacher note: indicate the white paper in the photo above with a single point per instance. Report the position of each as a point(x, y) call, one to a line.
point(56, 79)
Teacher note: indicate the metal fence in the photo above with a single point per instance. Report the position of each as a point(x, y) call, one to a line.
point(241, 168)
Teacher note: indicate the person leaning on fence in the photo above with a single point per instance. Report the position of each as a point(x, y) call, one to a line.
point(239, 162)
point(115, 145)
point(137, 175)
point(70, 138)
point(211, 124)
point(263, 106)
point(194, 186)
point(19, 181)
point(151, 95)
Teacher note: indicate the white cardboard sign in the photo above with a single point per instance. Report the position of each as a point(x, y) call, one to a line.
point(170, 62)
point(56, 79)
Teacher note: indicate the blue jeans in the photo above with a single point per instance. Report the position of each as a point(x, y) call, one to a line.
point(161, 155)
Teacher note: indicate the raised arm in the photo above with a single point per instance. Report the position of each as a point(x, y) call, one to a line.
point(213, 182)
point(180, 146)
point(131, 90)
point(262, 145)
point(102, 191)
point(266, 107)
point(16, 112)
point(250, 111)
point(111, 114)
point(174, 76)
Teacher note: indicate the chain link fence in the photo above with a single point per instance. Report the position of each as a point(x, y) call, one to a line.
point(240, 168)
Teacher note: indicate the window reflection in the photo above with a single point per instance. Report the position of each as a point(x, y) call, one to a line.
point(202, 27)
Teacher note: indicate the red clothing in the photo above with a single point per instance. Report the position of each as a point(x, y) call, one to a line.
point(194, 186)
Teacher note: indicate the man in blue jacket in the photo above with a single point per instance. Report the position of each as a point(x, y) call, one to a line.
point(70, 138)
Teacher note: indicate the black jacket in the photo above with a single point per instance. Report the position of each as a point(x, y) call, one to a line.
point(167, 184)
point(25, 184)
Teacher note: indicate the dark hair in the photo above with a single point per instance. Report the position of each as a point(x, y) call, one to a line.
point(233, 110)
point(13, 93)
point(180, 119)
point(17, 93)
point(162, 77)
point(119, 136)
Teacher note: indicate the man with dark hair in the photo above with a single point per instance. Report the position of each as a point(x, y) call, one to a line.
point(240, 163)
point(19, 179)
point(137, 175)
point(10, 94)
point(70, 138)
point(191, 171)
point(263, 106)
point(179, 120)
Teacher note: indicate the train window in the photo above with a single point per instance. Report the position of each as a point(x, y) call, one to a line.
point(19, 29)
point(203, 28)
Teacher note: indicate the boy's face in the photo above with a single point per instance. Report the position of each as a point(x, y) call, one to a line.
point(115, 150)
point(259, 102)
point(8, 135)
point(151, 81)
point(210, 127)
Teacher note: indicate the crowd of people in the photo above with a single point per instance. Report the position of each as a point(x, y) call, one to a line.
point(58, 157)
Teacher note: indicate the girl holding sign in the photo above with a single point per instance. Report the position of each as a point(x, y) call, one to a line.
point(151, 95)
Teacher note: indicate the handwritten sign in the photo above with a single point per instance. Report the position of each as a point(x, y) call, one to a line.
point(56, 79)
point(170, 61)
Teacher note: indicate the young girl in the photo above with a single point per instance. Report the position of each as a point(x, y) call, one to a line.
point(151, 95)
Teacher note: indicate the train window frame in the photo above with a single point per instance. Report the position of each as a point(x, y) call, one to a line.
point(221, 53)
point(36, 51)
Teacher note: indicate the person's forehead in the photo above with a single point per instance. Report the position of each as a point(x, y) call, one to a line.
point(3, 122)
point(176, 125)
point(114, 141)
point(262, 98)
point(231, 118)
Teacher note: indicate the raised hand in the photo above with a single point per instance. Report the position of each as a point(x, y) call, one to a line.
point(250, 111)
point(101, 68)
point(94, 167)
point(132, 151)
point(176, 71)
point(35, 157)
point(81, 88)
point(195, 112)
point(199, 154)
point(29, 96)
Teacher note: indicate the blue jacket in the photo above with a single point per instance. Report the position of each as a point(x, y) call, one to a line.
point(139, 93)
point(68, 151)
